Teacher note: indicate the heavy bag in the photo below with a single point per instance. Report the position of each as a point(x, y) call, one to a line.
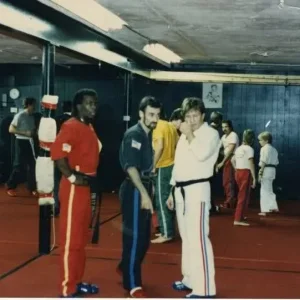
point(44, 164)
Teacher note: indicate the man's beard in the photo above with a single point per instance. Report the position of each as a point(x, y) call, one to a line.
point(151, 125)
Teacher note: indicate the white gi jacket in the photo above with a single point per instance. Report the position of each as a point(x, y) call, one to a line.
point(196, 160)
point(269, 156)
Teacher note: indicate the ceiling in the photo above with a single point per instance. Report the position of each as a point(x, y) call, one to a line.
point(200, 31)
point(215, 31)
point(13, 50)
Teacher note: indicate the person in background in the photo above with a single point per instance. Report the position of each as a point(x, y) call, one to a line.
point(216, 123)
point(60, 119)
point(216, 119)
point(176, 119)
point(165, 138)
point(230, 141)
point(268, 162)
point(24, 129)
point(136, 159)
point(243, 163)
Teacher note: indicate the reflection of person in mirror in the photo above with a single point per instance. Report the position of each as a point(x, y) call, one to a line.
point(213, 94)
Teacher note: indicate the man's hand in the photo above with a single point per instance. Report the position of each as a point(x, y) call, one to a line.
point(253, 183)
point(219, 166)
point(146, 202)
point(170, 203)
point(186, 129)
point(81, 180)
point(259, 178)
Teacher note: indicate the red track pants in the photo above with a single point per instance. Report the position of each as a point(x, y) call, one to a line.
point(75, 217)
point(228, 183)
point(243, 180)
point(155, 223)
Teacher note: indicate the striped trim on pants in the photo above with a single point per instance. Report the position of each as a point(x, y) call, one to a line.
point(198, 267)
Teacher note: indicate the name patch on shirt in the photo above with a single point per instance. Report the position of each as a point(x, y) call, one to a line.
point(66, 147)
point(135, 144)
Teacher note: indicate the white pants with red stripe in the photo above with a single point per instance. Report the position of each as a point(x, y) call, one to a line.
point(198, 267)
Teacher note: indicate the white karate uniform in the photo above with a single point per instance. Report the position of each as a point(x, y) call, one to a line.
point(242, 155)
point(196, 161)
point(231, 138)
point(269, 156)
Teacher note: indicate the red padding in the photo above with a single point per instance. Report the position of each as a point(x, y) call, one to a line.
point(45, 195)
point(49, 105)
point(45, 144)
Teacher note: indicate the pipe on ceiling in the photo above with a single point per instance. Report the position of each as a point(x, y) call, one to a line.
point(224, 78)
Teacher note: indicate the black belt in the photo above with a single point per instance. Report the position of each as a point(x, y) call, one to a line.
point(44, 153)
point(182, 184)
point(271, 166)
point(144, 178)
point(90, 179)
point(148, 182)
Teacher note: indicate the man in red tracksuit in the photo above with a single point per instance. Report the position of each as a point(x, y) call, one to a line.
point(76, 153)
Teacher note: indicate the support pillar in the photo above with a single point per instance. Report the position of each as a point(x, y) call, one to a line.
point(48, 71)
point(127, 110)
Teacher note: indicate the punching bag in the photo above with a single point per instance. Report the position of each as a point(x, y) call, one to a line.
point(44, 163)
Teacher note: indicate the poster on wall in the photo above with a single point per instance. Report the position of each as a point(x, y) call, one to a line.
point(212, 95)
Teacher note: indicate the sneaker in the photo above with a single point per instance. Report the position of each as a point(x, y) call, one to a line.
point(179, 286)
point(137, 293)
point(237, 223)
point(262, 214)
point(87, 288)
point(193, 296)
point(160, 240)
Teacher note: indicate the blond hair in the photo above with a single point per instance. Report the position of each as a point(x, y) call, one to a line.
point(248, 136)
point(266, 136)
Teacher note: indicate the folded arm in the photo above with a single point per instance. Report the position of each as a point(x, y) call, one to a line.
point(13, 129)
point(203, 148)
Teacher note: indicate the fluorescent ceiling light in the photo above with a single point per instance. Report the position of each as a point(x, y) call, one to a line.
point(162, 53)
point(11, 17)
point(93, 49)
point(89, 11)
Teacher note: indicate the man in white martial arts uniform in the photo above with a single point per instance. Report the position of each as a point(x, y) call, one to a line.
point(196, 153)
point(268, 162)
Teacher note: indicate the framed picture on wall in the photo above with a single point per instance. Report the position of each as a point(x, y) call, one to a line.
point(212, 95)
